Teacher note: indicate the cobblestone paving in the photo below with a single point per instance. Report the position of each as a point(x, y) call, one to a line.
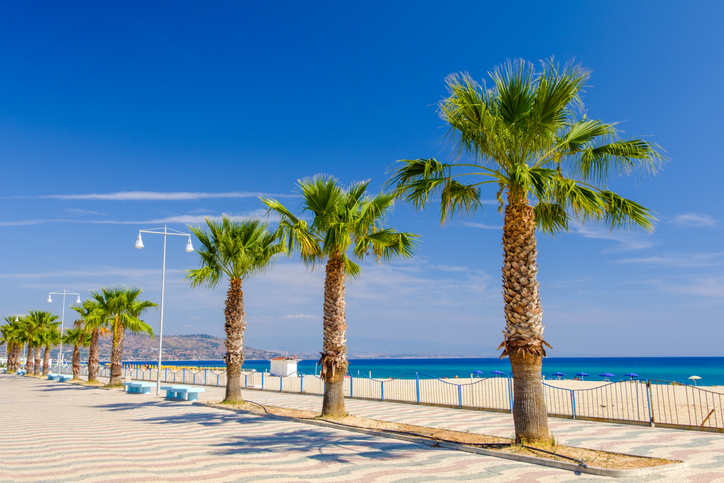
point(62, 432)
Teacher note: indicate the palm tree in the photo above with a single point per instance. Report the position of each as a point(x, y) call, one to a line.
point(77, 337)
point(524, 136)
point(120, 307)
point(236, 250)
point(30, 336)
point(11, 334)
point(94, 322)
point(49, 335)
point(343, 220)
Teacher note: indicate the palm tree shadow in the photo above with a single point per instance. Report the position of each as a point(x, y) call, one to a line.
point(318, 444)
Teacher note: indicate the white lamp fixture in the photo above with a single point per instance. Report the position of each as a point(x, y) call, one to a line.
point(189, 248)
point(62, 320)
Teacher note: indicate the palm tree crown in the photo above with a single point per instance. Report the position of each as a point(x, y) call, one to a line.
point(237, 250)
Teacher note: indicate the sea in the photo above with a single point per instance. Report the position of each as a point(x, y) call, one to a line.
point(678, 369)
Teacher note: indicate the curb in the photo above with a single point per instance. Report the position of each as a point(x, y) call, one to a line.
point(592, 470)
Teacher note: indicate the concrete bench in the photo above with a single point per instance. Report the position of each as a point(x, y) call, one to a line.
point(53, 377)
point(64, 377)
point(138, 387)
point(182, 393)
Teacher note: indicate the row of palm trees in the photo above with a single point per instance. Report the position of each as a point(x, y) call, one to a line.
point(527, 135)
point(108, 311)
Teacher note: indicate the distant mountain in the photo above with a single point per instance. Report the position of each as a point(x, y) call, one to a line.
point(175, 347)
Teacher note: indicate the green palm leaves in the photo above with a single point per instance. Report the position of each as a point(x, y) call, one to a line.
point(237, 250)
point(343, 221)
point(523, 136)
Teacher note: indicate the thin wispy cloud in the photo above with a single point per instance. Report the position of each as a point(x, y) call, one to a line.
point(300, 316)
point(682, 260)
point(176, 219)
point(625, 241)
point(484, 226)
point(694, 220)
point(161, 196)
point(79, 211)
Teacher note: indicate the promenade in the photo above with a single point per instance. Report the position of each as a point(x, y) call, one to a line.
point(62, 432)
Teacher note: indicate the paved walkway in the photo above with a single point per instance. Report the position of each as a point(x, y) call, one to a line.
point(61, 432)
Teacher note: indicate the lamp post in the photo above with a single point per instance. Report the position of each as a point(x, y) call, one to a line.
point(62, 320)
point(189, 248)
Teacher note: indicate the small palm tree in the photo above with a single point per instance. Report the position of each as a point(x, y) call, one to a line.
point(11, 334)
point(30, 334)
point(549, 165)
point(344, 220)
point(121, 308)
point(77, 337)
point(48, 333)
point(236, 250)
point(95, 324)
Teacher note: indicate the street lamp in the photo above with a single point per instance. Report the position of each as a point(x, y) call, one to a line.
point(62, 319)
point(189, 248)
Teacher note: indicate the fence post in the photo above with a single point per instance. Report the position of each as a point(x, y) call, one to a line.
point(651, 409)
point(280, 383)
point(165, 375)
point(184, 375)
point(351, 386)
point(262, 381)
point(205, 376)
point(301, 384)
point(246, 381)
point(217, 380)
point(382, 390)
point(510, 393)
point(460, 395)
point(573, 404)
point(417, 386)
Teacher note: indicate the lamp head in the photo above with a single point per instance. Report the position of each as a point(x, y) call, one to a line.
point(16, 318)
point(77, 300)
point(189, 246)
point(139, 242)
point(50, 300)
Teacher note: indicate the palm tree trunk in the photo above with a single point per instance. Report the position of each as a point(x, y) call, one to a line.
point(76, 363)
point(93, 356)
point(334, 353)
point(13, 357)
point(46, 360)
point(117, 354)
point(36, 354)
point(234, 327)
point(523, 315)
point(29, 360)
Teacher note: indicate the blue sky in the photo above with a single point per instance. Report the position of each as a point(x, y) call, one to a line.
point(127, 116)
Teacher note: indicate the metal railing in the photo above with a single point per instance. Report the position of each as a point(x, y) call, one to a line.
point(652, 402)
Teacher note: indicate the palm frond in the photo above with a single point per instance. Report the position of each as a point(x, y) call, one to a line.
point(551, 218)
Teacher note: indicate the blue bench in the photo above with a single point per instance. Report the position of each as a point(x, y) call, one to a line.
point(138, 387)
point(53, 377)
point(21, 372)
point(64, 377)
point(183, 393)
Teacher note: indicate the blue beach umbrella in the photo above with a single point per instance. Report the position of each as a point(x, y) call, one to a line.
point(606, 375)
point(497, 373)
point(631, 375)
point(582, 375)
point(477, 373)
point(559, 375)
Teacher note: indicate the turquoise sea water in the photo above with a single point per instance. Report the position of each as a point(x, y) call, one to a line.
point(710, 369)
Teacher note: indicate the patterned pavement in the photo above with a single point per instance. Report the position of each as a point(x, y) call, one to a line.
point(60, 432)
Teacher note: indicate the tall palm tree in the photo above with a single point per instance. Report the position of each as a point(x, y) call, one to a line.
point(345, 222)
point(94, 323)
point(236, 250)
point(525, 136)
point(77, 337)
point(121, 308)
